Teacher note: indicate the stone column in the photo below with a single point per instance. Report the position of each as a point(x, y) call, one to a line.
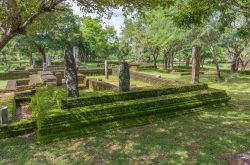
point(76, 55)
point(124, 77)
point(48, 60)
point(106, 67)
point(44, 66)
point(196, 55)
point(4, 114)
point(33, 60)
point(70, 74)
point(58, 78)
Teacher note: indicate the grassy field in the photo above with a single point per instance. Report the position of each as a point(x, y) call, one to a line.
point(209, 137)
point(3, 84)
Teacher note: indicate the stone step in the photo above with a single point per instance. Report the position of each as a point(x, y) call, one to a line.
point(11, 85)
point(35, 79)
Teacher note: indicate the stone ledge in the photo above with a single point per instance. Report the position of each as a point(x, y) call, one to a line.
point(242, 158)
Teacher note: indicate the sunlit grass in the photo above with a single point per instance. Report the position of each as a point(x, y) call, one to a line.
point(3, 84)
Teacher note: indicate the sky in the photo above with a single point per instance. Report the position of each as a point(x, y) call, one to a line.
point(117, 20)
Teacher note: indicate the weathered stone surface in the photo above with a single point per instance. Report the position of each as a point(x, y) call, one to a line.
point(124, 77)
point(58, 78)
point(99, 79)
point(33, 60)
point(196, 53)
point(81, 78)
point(48, 60)
point(70, 74)
point(44, 66)
point(106, 67)
point(4, 114)
point(96, 85)
point(242, 158)
point(76, 55)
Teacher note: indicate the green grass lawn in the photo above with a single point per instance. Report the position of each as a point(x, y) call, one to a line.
point(3, 84)
point(208, 137)
point(89, 65)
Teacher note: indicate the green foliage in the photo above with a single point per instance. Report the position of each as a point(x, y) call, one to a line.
point(99, 41)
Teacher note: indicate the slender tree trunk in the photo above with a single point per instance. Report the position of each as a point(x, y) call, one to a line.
point(70, 74)
point(218, 74)
point(217, 68)
point(196, 54)
point(172, 60)
point(244, 64)
point(166, 66)
point(155, 56)
point(234, 63)
point(237, 64)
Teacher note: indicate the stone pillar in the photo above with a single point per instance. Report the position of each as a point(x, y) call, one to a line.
point(76, 55)
point(4, 114)
point(124, 77)
point(33, 60)
point(196, 55)
point(106, 67)
point(48, 60)
point(58, 78)
point(70, 74)
point(44, 66)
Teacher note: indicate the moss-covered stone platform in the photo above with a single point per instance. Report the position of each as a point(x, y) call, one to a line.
point(96, 112)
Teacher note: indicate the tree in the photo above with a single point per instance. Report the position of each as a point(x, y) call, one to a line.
point(17, 15)
point(101, 41)
point(44, 36)
point(235, 46)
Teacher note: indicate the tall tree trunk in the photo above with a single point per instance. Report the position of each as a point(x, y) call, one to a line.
point(155, 56)
point(166, 66)
point(196, 54)
point(218, 74)
point(217, 68)
point(244, 64)
point(237, 64)
point(172, 60)
point(42, 50)
point(234, 63)
point(70, 74)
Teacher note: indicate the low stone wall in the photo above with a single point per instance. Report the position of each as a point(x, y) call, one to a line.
point(22, 82)
point(150, 79)
point(13, 75)
point(94, 71)
point(96, 85)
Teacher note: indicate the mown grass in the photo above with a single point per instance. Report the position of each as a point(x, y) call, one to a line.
point(208, 137)
point(115, 80)
point(3, 84)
